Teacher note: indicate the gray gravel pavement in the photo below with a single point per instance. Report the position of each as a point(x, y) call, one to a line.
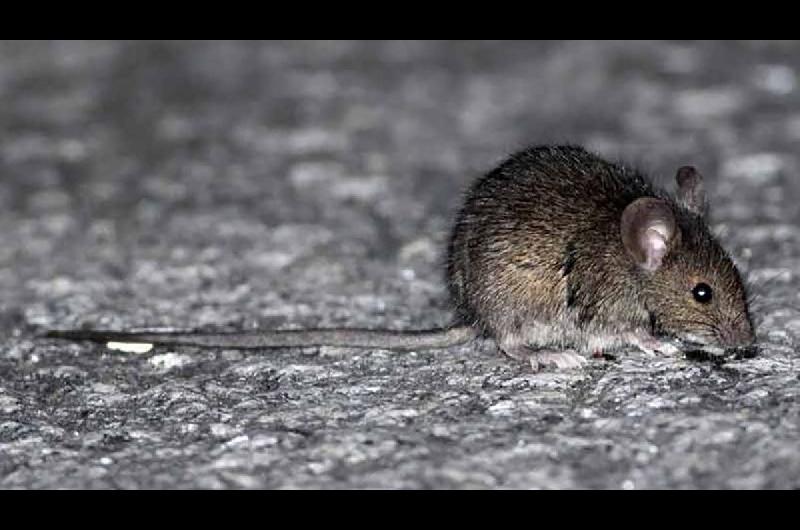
point(245, 185)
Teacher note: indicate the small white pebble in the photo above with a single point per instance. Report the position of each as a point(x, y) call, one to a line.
point(130, 347)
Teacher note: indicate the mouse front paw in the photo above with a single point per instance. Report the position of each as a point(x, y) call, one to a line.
point(561, 360)
point(651, 346)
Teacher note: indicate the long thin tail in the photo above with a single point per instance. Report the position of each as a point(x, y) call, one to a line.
point(348, 338)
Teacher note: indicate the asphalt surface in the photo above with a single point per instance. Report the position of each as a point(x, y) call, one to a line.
point(258, 185)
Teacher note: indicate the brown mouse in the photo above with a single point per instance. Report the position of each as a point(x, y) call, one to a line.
point(559, 249)
point(557, 254)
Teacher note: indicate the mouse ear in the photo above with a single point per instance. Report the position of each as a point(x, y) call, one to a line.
point(647, 228)
point(691, 192)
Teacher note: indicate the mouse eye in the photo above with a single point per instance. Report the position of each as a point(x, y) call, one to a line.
point(702, 293)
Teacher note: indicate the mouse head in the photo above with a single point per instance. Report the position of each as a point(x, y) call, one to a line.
point(691, 287)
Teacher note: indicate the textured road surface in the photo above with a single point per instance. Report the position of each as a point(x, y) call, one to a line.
point(245, 185)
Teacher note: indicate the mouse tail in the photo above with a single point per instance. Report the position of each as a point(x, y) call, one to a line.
point(346, 338)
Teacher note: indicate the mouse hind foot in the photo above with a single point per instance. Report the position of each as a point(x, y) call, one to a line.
point(540, 358)
point(560, 360)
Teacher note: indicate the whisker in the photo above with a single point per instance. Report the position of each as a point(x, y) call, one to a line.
point(698, 323)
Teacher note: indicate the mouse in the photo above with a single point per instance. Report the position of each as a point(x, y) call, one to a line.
point(557, 255)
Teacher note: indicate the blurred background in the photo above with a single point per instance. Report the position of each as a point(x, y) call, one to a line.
point(192, 168)
point(294, 184)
